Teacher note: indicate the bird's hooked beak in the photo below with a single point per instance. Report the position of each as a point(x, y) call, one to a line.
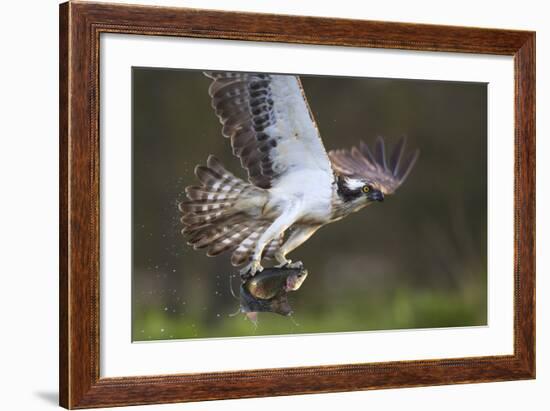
point(375, 195)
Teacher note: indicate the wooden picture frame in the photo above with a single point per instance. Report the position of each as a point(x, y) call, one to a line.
point(80, 27)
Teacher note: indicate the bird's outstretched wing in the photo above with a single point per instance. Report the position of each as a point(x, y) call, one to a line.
point(270, 125)
point(388, 175)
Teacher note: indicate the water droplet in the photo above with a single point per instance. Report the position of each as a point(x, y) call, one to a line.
point(162, 330)
point(165, 308)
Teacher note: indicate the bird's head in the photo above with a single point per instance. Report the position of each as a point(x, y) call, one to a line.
point(358, 190)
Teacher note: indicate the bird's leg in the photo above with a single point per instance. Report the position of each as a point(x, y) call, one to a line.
point(298, 237)
point(281, 223)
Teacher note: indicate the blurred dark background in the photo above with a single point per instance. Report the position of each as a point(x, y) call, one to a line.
point(418, 260)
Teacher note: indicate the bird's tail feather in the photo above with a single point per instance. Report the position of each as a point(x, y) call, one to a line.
point(237, 234)
point(219, 214)
point(219, 196)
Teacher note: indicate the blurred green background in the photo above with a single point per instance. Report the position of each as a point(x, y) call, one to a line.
point(418, 260)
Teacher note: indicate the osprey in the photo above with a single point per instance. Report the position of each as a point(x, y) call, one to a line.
point(294, 186)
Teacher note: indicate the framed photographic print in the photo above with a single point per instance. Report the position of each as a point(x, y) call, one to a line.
point(258, 205)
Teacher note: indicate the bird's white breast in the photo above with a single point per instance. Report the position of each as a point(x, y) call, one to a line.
point(309, 190)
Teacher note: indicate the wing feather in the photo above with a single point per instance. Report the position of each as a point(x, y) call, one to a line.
point(361, 162)
point(268, 120)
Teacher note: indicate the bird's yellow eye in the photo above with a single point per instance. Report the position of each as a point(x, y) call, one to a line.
point(366, 189)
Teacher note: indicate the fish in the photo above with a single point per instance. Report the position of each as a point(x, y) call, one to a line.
point(272, 281)
point(267, 291)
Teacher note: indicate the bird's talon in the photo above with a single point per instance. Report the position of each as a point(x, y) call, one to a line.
point(284, 264)
point(290, 264)
point(296, 264)
point(251, 269)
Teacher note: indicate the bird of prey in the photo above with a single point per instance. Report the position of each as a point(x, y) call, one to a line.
point(294, 186)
